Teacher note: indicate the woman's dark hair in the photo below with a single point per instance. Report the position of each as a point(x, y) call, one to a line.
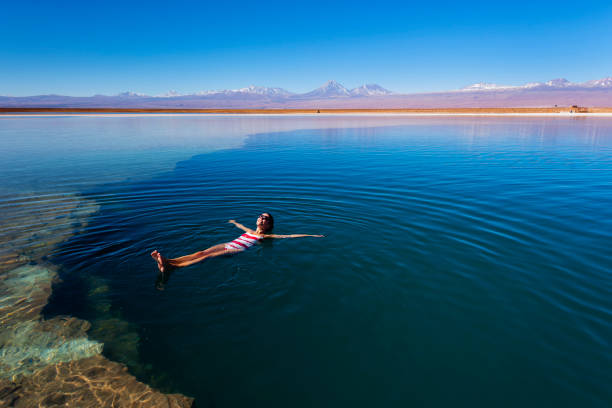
point(270, 221)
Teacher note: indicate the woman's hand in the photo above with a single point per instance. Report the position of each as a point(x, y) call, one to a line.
point(232, 221)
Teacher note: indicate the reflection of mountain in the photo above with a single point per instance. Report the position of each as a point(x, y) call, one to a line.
point(332, 94)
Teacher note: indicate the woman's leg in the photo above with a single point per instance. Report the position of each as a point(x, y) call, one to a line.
point(198, 254)
point(199, 258)
point(163, 263)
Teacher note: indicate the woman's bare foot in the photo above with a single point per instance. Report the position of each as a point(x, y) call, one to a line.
point(162, 263)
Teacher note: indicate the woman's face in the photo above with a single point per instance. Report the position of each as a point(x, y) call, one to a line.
point(263, 221)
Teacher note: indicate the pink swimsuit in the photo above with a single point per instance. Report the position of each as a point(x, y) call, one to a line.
point(245, 241)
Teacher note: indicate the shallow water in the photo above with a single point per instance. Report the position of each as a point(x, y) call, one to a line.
point(466, 260)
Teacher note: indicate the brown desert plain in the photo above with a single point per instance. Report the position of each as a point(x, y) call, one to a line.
point(416, 111)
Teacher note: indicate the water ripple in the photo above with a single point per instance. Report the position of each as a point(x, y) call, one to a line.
point(469, 254)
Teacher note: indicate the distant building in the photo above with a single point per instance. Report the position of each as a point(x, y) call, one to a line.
point(578, 109)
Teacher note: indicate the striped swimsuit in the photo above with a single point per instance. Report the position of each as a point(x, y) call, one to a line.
point(245, 241)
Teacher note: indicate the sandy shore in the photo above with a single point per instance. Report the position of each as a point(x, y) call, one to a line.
point(559, 111)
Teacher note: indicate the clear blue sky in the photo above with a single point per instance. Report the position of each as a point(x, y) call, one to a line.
point(90, 47)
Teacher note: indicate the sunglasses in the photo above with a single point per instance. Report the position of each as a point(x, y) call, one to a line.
point(264, 217)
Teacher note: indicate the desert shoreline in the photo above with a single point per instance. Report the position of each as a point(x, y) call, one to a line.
point(556, 111)
point(381, 115)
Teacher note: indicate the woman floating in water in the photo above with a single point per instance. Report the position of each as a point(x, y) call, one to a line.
point(265, 223)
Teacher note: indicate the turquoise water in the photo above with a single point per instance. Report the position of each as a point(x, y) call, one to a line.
point(466, 260)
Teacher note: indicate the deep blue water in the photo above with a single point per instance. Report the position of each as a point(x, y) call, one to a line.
point(466, 261)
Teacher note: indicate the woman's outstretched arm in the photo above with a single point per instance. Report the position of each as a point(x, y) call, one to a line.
point(291, 236)
point(242, 227)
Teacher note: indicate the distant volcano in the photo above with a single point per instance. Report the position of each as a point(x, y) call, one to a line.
point(370, 90)
point(331, 89)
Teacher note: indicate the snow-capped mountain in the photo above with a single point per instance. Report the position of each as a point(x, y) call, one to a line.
point(599, 83)
point(170, 94)
point(130, 94)
point(370, 90)
point(262, 90)
point(331, 89)
point(249, 90)
point(556, 92)
point(484, 86)
point(558, 83)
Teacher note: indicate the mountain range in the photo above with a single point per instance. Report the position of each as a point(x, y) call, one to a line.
point(560, 83)
point(561, 92)
point(331, 89)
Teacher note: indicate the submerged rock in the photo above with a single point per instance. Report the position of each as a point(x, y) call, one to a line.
point(53, 362)
point(31, 226)
point(90, 382)
point(121, 341)
point(24, 292)
point(30, 346)
point(27, 342)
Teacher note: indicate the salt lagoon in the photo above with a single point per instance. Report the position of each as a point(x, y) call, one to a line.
point(466, 259)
